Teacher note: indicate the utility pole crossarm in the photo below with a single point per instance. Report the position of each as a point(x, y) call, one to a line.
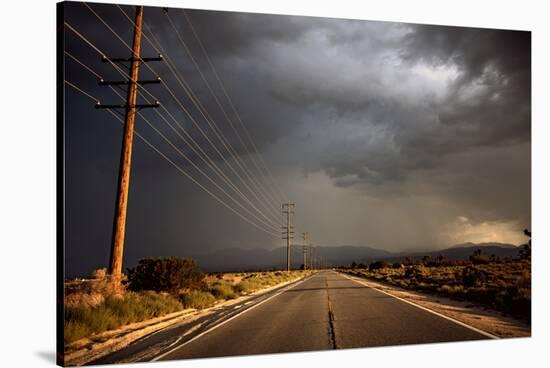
point(103, 82)
point(99, 105)
point(105, 59)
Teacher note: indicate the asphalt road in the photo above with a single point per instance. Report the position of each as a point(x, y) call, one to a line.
point(326, 311)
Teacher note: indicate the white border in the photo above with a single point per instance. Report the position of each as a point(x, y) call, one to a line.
point(27, 188)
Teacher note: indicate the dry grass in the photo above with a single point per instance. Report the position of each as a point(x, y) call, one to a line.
point(197, 299)
point(91, 292)
point(114, 312)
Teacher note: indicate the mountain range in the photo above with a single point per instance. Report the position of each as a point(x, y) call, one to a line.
point(238, 259)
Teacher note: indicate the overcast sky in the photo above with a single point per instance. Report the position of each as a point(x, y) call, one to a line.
point(396, 136)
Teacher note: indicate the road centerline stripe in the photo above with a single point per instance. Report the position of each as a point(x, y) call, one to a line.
point(331, 332)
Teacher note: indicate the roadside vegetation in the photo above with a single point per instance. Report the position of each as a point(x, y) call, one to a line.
point(501, 284)
point(155, 287)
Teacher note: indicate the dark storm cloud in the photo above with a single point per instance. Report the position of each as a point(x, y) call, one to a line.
point(406, 128)
point(373, 125)
point(472, 50)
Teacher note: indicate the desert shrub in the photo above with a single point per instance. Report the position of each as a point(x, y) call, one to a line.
point(166, 274)
point(451, 289)
point(88, 300)
point(416, 271)
point(222, 290)
point(197, 299)
point(524, 280)
point(480, 259)
point(378, 265)
point(525, 251)
point(240, 288)
point(93, 292)
point(403, 283)
point(99, 274)
point(247, 286)
point(471, 276)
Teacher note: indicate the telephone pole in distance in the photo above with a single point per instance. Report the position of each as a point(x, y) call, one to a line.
point(305, 240)
point(288, 230)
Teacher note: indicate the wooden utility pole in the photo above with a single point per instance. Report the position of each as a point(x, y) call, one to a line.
point(131, 106)
point(117, 248)
point(288, 230)
point(305, 240)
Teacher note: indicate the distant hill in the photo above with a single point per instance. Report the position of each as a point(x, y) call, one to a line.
point(238, 259)
point(464, 251)
point(481, 245)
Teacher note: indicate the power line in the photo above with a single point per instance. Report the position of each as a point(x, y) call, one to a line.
point(185, 156)
point(211, 123)
point(200, 170)
point(189, 53)
point(196, 101)
point(218, 172)
point(181, 106)
point(233, 107)
point(81, 91)
point(116, 67)
point(83, 65)
point(177, 166)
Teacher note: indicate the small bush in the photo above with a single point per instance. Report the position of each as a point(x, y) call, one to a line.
point(416, 271)
point(451, 289)
point(93, 292)
point(472, 277)
point(197, 299)
point(223, 291)
point(378, 265)
point(480, 259)
point(246, 286)
point(99, 274)
point(166, 274)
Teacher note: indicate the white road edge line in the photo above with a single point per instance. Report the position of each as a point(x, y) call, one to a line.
point(227, 320)
point(486, 334)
